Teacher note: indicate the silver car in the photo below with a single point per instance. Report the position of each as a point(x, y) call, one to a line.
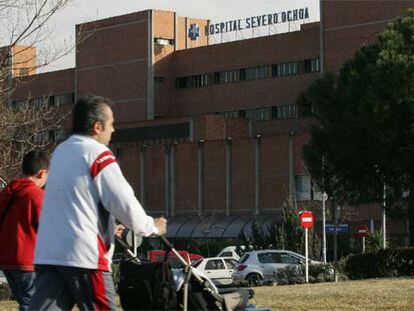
point(262, 265)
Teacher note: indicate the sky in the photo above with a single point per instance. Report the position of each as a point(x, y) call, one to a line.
point(81, 11)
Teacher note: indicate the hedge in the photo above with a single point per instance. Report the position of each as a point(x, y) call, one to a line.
point(296, 274)
point(5, 292)
point(382, 263)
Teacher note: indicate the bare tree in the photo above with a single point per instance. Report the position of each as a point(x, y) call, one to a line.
point(26, 124)
point(27, 23)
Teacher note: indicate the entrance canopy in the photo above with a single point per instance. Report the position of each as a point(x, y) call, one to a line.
point(209, 227)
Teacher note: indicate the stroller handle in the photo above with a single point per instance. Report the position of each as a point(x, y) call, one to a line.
point(178, 255)
point(166, 242)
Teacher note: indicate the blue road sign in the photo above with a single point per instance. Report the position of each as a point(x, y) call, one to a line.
point(341, 228)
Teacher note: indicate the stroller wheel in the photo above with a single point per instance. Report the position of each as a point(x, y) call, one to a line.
point(253, 279)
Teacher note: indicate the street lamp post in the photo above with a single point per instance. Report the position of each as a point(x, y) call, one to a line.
point(324, 198)
point(384, 218)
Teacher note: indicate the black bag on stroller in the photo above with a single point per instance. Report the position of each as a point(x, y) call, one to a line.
point(146, 286)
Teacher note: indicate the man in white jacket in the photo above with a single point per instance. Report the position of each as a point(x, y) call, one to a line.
point(85, 192)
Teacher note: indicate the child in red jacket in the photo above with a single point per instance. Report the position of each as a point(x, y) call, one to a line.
point(20, 206)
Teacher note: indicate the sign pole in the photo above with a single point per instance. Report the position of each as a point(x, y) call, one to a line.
point(306, 220)
point(363, 245)
point(383, 218)
point(306, 257)
point(363, 232)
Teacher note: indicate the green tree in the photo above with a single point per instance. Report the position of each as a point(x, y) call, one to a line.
point(289, 234)
point(364, 137)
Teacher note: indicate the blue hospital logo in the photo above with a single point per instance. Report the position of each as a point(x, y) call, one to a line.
point(194, 32)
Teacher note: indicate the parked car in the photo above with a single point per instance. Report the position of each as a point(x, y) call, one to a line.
point(229, 251)
point(2, 278)
point(256, 266)
point(218, 269)
point(159, 255)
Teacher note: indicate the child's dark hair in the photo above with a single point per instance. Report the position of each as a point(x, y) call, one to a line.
point(34, 161)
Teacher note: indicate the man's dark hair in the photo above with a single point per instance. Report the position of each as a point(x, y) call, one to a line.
point(34, 161)
point(88, 110)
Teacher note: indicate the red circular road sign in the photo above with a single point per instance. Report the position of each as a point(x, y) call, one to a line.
point(306, 219)
point(362, 231)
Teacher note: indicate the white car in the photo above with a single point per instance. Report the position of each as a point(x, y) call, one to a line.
point(218, 269)
point(2, 278)
point(229, 251)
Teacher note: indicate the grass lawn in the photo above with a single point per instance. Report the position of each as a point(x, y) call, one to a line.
point(375, 294)
point(8, 305)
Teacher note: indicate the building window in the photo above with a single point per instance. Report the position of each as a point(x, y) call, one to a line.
point(230, 114)
point(228, 76)
point(285, 69)
point(47, 136)
point(199, 80)
point(163, 41)
point(315, 65)
point(303, 187)
point(195, 81)
point(204, 80)
point(42, 138)
point(64, 99)
point(311, 65)
point(259, 114)
point(40, 102)
point(217, 77)
point(233, 76)
point(59, 134)
point(20, 104)
point(256, 73)
point(287, 111)
point(242, 74)
point(252, 73)
point(307, 66)
point(181, 83)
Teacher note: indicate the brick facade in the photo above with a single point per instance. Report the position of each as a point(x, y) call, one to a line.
point(219, 164)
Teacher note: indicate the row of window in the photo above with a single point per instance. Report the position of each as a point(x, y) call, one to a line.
point(47, 136)
point(262, 114)
point(247, 74)
point(42, 102)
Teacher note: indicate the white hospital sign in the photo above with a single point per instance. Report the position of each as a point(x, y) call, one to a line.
point(257, 21)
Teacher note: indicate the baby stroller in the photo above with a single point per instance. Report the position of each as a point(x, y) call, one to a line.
point(155, 286)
